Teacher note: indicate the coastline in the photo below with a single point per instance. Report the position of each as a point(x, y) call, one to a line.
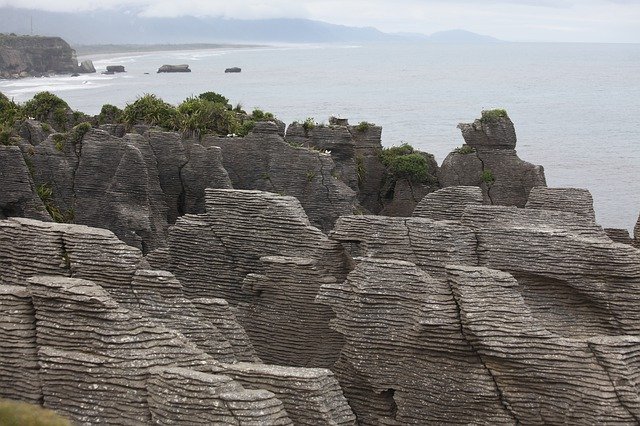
point(102, 49)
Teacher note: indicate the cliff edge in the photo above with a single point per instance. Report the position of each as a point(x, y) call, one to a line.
point(23, 56)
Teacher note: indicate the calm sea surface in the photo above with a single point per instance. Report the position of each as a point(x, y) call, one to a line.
point(576, 107)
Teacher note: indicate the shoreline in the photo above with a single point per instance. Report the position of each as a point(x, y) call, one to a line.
point(100, 49)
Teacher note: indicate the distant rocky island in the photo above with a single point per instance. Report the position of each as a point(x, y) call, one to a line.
point(29, 56)
point(201, 264)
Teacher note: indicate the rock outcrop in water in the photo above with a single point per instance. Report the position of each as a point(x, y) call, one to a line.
point(23, 56)
point(489, 160)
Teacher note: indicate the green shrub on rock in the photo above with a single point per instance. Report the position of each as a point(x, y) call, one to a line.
point(45, 106)
point(214, 97)
point(151, 110)
point(109, 114)
point(403, 162)
point(197, 116)
point(493, 115)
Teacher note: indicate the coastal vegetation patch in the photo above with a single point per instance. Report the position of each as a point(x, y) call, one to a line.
point(493, 115)
point(405, 162)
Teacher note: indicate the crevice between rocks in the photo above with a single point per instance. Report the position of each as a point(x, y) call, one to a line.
point(487, 184)
point(612, 381)
point(499, 393)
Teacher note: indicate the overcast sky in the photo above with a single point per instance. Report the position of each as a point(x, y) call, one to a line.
point(513, 20)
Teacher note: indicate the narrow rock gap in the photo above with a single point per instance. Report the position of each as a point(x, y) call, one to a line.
point(612, 381)
point(487, 184)
point(499, 393)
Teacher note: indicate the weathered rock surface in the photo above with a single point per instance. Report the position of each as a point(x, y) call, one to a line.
point(405, 360)
point(574, 200)
point(135, 185)
point(282, 315)
point(240, 229)
point(311, 396)
point(448, 203)
point(619, 235)
point(174, 68)
point(370, 170)
point(427, 243)
point(19, 369)
point(636, 233)
point(264, 161)
point(336, 140)
point(94, 355)
point(17, 193)
point(70, 345)
point(208, 399)
point(233, 70)
point(34, 55)
point(490, 162)
point(552, 325)
point(87, 67)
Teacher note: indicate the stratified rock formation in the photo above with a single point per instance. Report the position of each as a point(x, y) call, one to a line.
point(264, 161)
point(17, 192)
point(574, 200)
point(636, 233)
point(542, 309)
point(489, 160)
point(135, 185)
point(258, 251)
point(22, 56)
point(153, 357)
point(448, 203)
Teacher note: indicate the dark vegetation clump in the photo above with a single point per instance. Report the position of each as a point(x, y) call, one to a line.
point(493, 115)
point(487, 177)
point(150, 109)
point(465, 149)
point(363, 126)
point(404, 162)
point(110, 114)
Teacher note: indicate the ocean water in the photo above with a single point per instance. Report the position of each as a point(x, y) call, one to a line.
point(576, 107)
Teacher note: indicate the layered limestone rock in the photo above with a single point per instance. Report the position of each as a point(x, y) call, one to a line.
point(448, 203)
point(264, 161)
point(281, 314)
point(70, 345)
point(570, 272)
point(94, 355)
point(619, 235)
point(429, 244)
point(594, 376)
point(18, 193)
point(489, 160)
point(405, 360)
point(22, 56)
point(208, 399)
point(19, 370)
point(336, 140)
point(552, 325)
point(573, 200)
point(311, 396)
point(369, 169)
point(212, 255)
point(134, 186)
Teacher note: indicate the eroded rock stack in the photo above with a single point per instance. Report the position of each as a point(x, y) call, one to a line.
point(636, 233)
point(547, 313)
point(264, 161)
point(19, 369)
point(70, 345)
point(17, 192)
point(489, 160)
point(237, 239)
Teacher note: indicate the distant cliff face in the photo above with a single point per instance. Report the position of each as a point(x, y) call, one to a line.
point(22, 56)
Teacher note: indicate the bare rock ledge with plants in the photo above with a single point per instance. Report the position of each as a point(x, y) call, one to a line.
point(201, 264)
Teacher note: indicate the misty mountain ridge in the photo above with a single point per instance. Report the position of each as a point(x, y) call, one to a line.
point(126, 27)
